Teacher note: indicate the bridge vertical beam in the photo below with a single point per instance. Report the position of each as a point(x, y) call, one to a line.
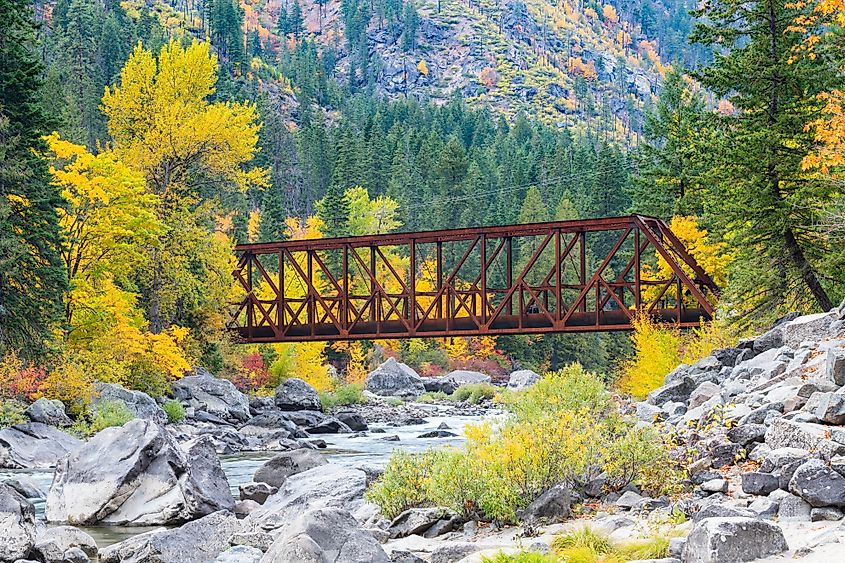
point(638, 299)
point(344, 300)
point(582, 275)
point(312, 298)
point(281, 295)
point(439, 265)
point(558, 279)
point(509, 273)
point(412, 283)
point(483, 282)
point(250, 308)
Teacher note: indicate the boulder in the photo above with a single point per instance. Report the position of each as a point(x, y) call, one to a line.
point(715, 486)
point(394, 379)
point(276, 470)
point(812, 328)
point(353, 420)
point(218, 397)
point(733, 539)
point(834, 366)
point(240, 554)
point(830, 407)
point(826, 514)
point(724, 454)
point(793, 509)
point(139, 403)
point(757, 483)
point(649, 413)
point(551, 506)
point(329, 425)
point(437, 434)
point(745, 434)
point(48, 412)
point(325, 486)
point(464, 377)
point(137, 475)
point(325, 535)
point(414, 521)
point(439, 385)
point(296, 395)
point(521, 379)
point(34, 445)
point(257, 492)
point(703, 393)
point(200, 540)
point(628, 500)
point(783, 433)
point(27, 488)
point(17, 522)
point(452, 552)
point(676, 391)
point(818, 484)
point(53, 543)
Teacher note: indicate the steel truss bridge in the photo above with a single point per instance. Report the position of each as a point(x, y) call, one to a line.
point(568, 276)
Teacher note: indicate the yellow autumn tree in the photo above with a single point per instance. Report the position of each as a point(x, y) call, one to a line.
point(164, 125)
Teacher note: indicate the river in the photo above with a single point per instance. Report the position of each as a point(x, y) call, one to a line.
point(347, 449)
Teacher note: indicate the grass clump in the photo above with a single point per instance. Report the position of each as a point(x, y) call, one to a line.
point(586, 545)
point(565, 429)
point(394, 401)
point(175, 411)
point(110, 413)
point(474, 392)
point(432, 397)
point(344, 395)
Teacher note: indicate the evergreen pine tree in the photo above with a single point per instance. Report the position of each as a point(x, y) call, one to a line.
point(32, 278)
point(762, 197)
point(296, 21)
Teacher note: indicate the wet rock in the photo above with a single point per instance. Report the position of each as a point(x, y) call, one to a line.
point(438, 434)
point(522, 379)
point(552, 506)
point(275, 471)
point(818, 484)
point(137, 475)
point(325, 535)
point(17, 523)
point(395, 379)
point(200, 540)
point(353, 420)
point(756, 483)
point(330, 425)
point(296, 395)
point(53, 543)
point(325, 486)
point(733, 539)
point(390, 438)
point(218, 397)
point(48, 412)
point(34, 445)
point(414, 521)
point(139, 403)
point(257, 492)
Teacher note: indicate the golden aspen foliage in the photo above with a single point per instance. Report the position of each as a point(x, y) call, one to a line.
point(422, 67)
point(656, 353)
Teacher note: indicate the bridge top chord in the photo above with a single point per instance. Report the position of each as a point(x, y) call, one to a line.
point(565, 276)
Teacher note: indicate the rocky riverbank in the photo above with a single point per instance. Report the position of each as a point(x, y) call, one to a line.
point(759, 428)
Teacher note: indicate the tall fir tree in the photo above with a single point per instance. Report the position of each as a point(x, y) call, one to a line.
point(32, 279)
point(762, 198)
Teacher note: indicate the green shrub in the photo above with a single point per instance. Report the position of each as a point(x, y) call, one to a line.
point(590, 546)
point(174, 410)
point(403, 483)
point(394, 401)
point(521, 557)
point(647, 548)
point(110, 413)
point(474, 392)
point(350, 394)
point(432, 397)
point(11, 413)
point(570, 389)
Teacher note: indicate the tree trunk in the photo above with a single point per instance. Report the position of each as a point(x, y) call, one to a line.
point(808, 273)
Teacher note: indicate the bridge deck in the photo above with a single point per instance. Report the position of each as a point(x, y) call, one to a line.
point(570, 276)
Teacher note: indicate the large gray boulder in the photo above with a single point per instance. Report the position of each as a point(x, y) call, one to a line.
point(17, 525)
point(551, 506)
point(414, 521)
point(137, 475)
point(818, 484)
point(48, 412)
point(465, 377)
point(275, 471)
point(138, 402)
point(325, 535)
point(521, 379)
point(296, 395)
point(812, 328)
point(783, 433)
point(834, 366)
point(733, 539)
point(200, 540)
point(394, 379)
point(53, 543)
point(329, 485)
point(219, 397)
point(830, 407)
point(34, 445)
point(677, 391)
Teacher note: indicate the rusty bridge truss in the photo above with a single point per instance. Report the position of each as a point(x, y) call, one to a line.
point(569, 276)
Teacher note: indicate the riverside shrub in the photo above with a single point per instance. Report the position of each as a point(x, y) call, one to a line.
point(565, 429)
point(343, 395)
point(110, 413)
point(474, 392)
point(174, 410)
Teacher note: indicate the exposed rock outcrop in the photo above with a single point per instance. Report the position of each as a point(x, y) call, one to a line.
point(138, 402)
point(206, 393)
point(17, 525)
point(34, 445)
point(395, 379)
